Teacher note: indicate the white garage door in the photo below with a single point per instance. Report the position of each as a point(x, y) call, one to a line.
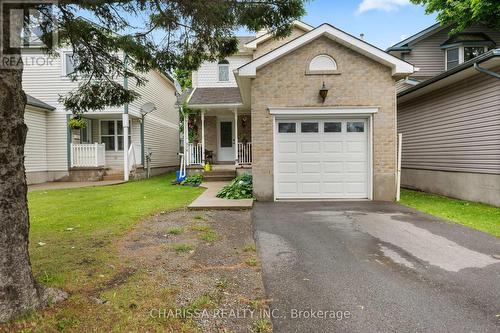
point(321, 158)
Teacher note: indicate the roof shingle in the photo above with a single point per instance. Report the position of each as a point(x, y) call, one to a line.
point(229, 95)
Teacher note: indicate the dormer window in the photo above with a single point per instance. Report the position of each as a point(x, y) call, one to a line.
point(223, 67)
point(464, 47)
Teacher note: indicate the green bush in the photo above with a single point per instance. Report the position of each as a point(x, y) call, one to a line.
point(193, 180)
point(240, 188)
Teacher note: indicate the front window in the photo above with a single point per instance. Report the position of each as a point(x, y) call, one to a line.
point(112, 134)
point(452, 58)
point(223, 67)
point(68, 63)
point(471, 52)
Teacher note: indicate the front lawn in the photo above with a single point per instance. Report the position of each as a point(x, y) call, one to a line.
point(71, 229)
point(474, 215)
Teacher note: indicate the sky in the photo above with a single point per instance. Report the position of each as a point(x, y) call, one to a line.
point(383, 22)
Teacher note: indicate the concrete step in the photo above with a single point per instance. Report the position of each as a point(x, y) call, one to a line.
point(113, 176)
point(217, 178)
point(219, 175)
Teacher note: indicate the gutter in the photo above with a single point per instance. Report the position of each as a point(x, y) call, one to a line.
point(473, 62)
point(486, 71)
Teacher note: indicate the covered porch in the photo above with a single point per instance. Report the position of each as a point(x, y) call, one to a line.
point(100, 144)
point(219, 129)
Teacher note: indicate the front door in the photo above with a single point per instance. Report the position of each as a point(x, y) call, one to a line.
point(225, 138)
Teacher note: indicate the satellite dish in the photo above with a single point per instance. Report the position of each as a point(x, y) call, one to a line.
point(147, 108)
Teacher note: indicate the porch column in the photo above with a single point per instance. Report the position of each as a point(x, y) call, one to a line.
point(125, 146)
point(203, 137)
point(236, 137)
point(185, 134)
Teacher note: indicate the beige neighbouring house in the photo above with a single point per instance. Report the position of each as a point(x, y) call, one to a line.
point(315, 115)
point(449, 113)
point(54, 152)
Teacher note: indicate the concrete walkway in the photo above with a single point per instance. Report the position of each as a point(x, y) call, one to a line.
point(65, 185)
point(208, 199)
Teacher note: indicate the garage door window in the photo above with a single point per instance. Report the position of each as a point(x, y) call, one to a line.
point(286, 127)
point(355, 126)
point(309, 127)
point(332, 127)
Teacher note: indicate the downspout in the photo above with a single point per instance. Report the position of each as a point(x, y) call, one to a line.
point(485, 71)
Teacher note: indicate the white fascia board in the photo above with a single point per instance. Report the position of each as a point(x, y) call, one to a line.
point(399, 67)
point(312, 111)
point(253, 43)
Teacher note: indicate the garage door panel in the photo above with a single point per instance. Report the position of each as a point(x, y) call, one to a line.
point(315, 164)
point(289, 189)
point(355, 147)
point(333, 167)
point(287, 147)
point(355, 167)
point(310, 167)
point(355, 188)
point(310, 187)
point(287, 167)
point(310, 147)
point(333, 188)
point(332, 146)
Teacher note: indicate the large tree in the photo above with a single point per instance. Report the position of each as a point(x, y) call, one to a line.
point(155, 34)
point(463, 13)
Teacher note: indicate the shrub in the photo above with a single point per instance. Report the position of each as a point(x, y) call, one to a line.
point(240, 188)
point(194, 180)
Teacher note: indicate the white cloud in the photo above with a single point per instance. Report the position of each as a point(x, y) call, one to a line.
point(385, 5)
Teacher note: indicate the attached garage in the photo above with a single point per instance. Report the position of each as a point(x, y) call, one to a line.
point(323, 157)
point(323, 118)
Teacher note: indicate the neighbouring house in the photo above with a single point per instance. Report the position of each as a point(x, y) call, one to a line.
point(311, 116)
point(449, 113)
point(56, 152)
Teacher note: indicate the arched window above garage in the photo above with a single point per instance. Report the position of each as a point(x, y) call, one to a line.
point(322, 64)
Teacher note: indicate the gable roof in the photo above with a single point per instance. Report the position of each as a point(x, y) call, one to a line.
point(399, 67)
point(404, 44)
point(252, 44)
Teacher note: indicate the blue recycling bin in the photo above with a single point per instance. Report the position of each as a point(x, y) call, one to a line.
point(178, 176)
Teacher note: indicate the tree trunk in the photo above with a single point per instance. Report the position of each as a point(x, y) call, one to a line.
point(18, 290)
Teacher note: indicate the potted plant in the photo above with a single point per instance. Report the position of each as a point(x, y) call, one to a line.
point(77, 122)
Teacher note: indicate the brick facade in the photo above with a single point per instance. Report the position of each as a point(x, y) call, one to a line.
point(362, 82)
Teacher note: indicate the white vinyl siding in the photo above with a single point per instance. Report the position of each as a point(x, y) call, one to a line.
point(161, 127)
point(35, 149)
point(208, 73)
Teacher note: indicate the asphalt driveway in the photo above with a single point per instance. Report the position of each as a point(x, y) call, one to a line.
point(375, 267)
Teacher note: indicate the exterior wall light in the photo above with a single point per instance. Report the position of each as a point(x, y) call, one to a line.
point(323, 92)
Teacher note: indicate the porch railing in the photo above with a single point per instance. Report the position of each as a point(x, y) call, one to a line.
point(244, 153)
point(194, 154)
point(88, 155)
point(134, 155)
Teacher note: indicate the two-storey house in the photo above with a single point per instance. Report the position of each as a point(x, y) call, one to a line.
point(449, 112)
point(312, 116)
point(54, 151)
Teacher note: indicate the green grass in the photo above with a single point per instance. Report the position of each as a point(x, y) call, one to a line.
point(175, 231)
point(181, 248)
point(209, 236)
point(71, 258)
point(252, 261)
point(474, 215)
